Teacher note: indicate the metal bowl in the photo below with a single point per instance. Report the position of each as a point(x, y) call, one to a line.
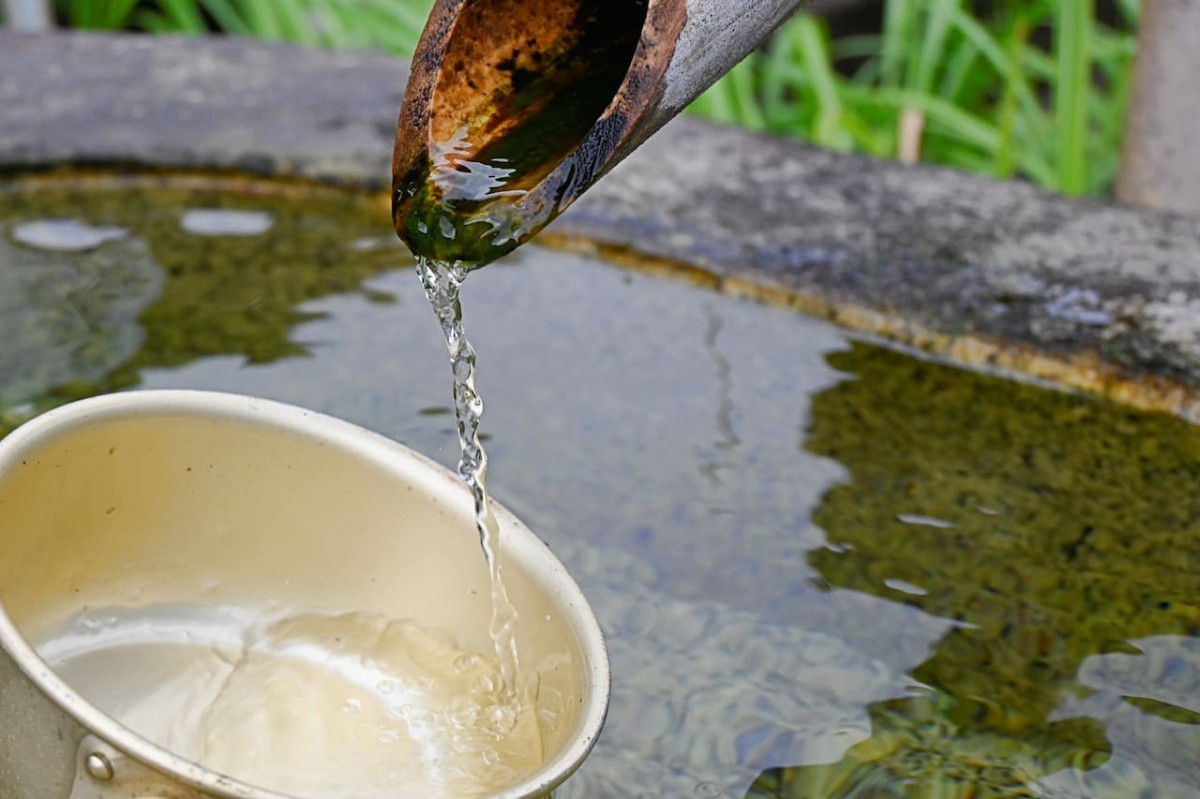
point(155, 497)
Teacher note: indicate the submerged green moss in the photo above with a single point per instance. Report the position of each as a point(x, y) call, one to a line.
point(1057, 530)
point(1052, 526)
point(238, 295)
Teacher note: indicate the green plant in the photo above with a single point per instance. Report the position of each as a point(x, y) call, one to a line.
point(937, 84)
point(390, 25)
point(943, 86)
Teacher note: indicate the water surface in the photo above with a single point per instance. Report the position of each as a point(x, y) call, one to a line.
point(825, 569)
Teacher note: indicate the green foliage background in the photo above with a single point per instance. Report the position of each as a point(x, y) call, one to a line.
point(1035, 89)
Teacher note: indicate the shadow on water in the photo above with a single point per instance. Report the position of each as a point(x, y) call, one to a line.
point(98, 284)
point(1063, 535)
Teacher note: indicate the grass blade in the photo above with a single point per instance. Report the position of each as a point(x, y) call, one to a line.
point(849, 47)
point(812, 46)
point(226, 16)
point(781, 93)
point(1131, 12)
point(951, 120)
point(385, 24)
point(116, 13)
point(260, 19)
point(717, 102)
point(895, 36)
point(1073, 81)
point(99, 14)
point(1010, 68)
point(741, 86)
point(958, 65)
point(183, 16)
point(294, 20)
point(933, 43)
point(1004, 164)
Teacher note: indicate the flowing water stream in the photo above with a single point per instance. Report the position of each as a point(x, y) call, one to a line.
point(442, 284)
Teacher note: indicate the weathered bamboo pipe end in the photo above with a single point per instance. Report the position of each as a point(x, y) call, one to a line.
point(515, 107)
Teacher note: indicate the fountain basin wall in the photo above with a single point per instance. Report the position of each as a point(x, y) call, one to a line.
point(1085, 293)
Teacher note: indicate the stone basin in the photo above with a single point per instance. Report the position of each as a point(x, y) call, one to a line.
point(829, 560)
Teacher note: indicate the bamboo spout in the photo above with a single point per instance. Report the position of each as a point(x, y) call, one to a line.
point(515, 107)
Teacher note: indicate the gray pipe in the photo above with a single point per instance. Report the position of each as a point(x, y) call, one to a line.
point(515, 107)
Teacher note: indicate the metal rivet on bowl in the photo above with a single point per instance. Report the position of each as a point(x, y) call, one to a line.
point(99, 767)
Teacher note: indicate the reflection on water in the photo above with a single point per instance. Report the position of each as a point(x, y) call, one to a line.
point(64, 235)
point(223, 222)
point(97, 285)
point(1147, 699)
point(727, 437)
point(1068, 550)
point(824, 569)
point(68, 313)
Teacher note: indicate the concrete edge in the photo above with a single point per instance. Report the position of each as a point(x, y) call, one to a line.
point(1090, 295)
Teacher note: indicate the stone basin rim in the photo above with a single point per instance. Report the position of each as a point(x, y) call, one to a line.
point(1087, 295)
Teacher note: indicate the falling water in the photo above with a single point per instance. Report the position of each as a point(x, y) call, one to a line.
point(442, 282)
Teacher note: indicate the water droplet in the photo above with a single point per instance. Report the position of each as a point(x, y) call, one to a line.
point(65, 235)
point(221, 222)
point(708, 790)
point(352, 706)
point(465, 663)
